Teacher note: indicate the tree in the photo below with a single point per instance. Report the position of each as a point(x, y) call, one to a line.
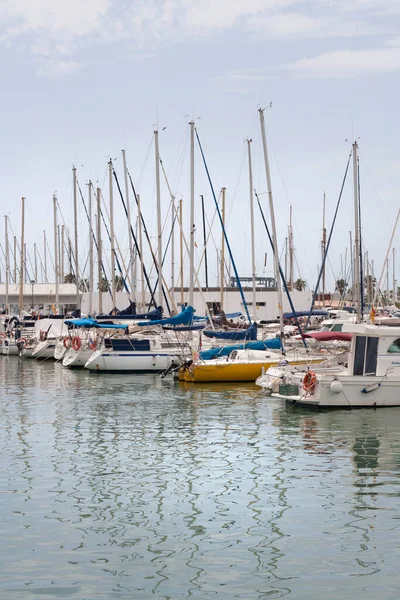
point(340, 286)
point(69, 278)
point(299, 285)
point(104, 285)
point(119, 283)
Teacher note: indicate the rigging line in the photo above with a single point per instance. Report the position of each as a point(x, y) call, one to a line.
point(145, 161)
point(224, 232)
point(328, 242)
point(281, 274)
point(94, 239)
point(153, 301)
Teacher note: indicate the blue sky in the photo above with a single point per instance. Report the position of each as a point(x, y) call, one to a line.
point(85, 78)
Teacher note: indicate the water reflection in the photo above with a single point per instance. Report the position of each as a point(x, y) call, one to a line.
point(140, 487)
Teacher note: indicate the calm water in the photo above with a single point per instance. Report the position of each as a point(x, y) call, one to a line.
point(133, 487)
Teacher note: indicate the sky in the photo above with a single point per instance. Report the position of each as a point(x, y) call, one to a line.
point(83, 79)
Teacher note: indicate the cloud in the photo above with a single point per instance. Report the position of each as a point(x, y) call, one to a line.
point(328, 65)
point(57, 31)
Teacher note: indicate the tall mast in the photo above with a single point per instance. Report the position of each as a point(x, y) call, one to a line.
point(99, 251)
point(141, 253)
point(35, 261)
point(76, 238)
point(15, 259)
point(62, 252)
point(369, 283)
point(356, 235)
point(173, 213)
point(291, 251)
point(181, 249)
point(112, 235)
point(394, 276)
point(159, 224)
point(7, 263)
point(253, 251)
point(128, 206)
point(59, 252)
point(45, 256)
point(204, 241)
point(273, 225)
point(91, 274)
point(192, 226)
point(222, 265)
point(22, 270)
point(55, 248)
point(323, 248)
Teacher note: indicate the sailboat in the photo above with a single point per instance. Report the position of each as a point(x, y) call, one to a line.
point(371, 375)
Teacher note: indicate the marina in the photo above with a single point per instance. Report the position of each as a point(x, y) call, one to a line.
point(199, 300)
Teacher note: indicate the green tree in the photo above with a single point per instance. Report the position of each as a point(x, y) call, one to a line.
point(340, 286)
point(104, 285)
point(299, 285)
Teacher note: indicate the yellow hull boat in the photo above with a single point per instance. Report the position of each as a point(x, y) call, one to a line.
point(227, 369)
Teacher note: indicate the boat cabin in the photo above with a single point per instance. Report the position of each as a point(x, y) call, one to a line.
point(374, 350)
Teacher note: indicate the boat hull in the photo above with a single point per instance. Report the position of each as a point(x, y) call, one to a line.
point(44, 350)
point(130, 362)
point(213, 371)
point(73, 359)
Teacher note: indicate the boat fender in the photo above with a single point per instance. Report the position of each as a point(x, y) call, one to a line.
point(370, 388)
point(67, 343)
point(154, 360)
point(76, 343)
point(336, 387)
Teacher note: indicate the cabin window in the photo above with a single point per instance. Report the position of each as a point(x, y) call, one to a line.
point(394, 347)
point(359, 355)
point(337, 328)
point(371, 356)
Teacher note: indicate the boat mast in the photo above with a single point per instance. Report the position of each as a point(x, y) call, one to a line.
point(173, 215)
point(45, 256)
point(291, 252)
point(141, 253)
point(62, 252)
point(91, 275)
point(181, 249)
point(55, 249)
point(22, 270)
point(99, 251)
point(204, 241)
point(253, 252)
point(112, 235)
point(323, 247)
point(394, 276)
point(76, 238)
point(357, 287)
point(273, 225)
point(222, 265)
point(128, 206)
point(159, 223)
point(7, 263)
point(35, 260)
point(15, 259)
point(192, 226)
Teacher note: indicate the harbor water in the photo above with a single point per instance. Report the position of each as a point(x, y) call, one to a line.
point(122, 486)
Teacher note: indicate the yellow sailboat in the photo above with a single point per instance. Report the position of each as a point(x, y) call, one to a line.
point(241, 365)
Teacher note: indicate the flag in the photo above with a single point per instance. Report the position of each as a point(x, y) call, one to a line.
point(372, 314)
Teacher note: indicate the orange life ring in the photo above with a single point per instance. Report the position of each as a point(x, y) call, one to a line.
point(309, 381)
point(76, 343)
point(67, 343)
point(23, 341)
point(2, 334)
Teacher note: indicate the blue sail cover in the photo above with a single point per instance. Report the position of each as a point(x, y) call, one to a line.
point(235, 334)
point(91, 323)
point(183, 318)
point(272, 344)
point(152, 315)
